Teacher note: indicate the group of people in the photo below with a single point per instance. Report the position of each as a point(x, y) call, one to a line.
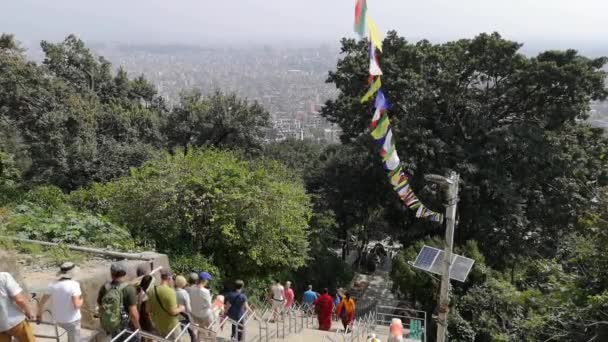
point(122, 304)
point(325, 305)
point(174, 302)
point(63, 297)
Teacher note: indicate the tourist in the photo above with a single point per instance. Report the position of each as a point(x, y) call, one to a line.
point(396, 331)
point(200, 298)
point(145, 314)
point(117, 302)
point(277, 299)
point(346, 310)
point(309, 297)
point(14, 310)
point(324, 306)
point(192, 281)
point(289, 296)
point(183, 299)
point(65, 301)
point(163, 304)
point(237, 308)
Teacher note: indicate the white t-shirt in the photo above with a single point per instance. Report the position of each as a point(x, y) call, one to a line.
point(200, 301)
point(60, 301)
point(10, 314)
point(278, 292)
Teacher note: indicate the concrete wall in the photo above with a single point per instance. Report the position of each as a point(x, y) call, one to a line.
point(8, 263)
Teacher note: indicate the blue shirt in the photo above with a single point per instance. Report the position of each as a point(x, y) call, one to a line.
point(309, 297)
point(237, 305)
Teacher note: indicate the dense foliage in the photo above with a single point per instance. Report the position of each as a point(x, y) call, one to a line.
point(248, 218)
point(511, 126)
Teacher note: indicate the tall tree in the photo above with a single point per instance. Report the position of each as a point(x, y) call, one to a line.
point(219, 120)
point(507, 123)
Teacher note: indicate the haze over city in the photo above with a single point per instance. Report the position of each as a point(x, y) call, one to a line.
point(542, 23)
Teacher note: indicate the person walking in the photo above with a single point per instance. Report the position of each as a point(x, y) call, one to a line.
point(14, 311)
point(117, 302)
point(145, 314)
point(277, 300)
point(309, 297)
point(289, 296)
point(183, 299)
point(163, 305)
point(200, 298)
point(324, 306)
point(65, 301)
point(346, 310)
point(237, 307)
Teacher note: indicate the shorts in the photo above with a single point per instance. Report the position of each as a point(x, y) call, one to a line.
point(22, 332)
point(278, 305)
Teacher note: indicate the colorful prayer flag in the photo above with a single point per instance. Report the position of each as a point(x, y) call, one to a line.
point(372, 90)
point(374, 67)
point(389, 145)
point(374, 37)
point(381, 106)
point(392, 162)
point(360, 14)
point(382, 128)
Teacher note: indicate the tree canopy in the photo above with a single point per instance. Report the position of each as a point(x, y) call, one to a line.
point(509, 124)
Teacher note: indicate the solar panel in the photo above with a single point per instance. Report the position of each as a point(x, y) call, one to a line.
point(430, 259)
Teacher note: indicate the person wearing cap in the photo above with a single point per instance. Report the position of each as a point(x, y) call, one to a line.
point(65, 301)
point(200, 299)
point(183, 299)
point(129, 313)
point(163, 304)
point(14, 310)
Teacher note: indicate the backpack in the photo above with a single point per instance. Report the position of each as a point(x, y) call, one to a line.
point(111, 313)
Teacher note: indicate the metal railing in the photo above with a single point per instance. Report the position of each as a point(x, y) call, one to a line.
point(413, 320)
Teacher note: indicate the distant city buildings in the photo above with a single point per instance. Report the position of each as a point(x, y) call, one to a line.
point(289, 83)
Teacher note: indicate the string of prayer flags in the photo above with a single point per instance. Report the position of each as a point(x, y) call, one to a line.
point(374, 37)
point(360, 14)
point(380, 125)
point(372, 90)
point(383, 134)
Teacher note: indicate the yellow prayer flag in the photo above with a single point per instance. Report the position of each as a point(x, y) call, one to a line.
point(372, 90)
point(373, 34)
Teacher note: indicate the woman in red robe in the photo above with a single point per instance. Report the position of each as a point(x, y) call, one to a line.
point(324, 306)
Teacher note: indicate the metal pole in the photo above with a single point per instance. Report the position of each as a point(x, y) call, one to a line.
point(444, 295)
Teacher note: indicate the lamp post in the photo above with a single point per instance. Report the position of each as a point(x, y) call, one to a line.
point(451, 186)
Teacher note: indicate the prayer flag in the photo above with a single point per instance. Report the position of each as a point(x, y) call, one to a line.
point(381, 106)
point(398, 178)
point(383, 126)
point(380, 101)
point(389, 145)
point(360, 14)
point(372, 90)
point(374, 67)
point(392, 162)
point(373, 34)
point(377, 115)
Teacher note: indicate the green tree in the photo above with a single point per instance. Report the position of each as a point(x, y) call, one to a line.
point(249, 218)
point(509, 124)
point(217, 120)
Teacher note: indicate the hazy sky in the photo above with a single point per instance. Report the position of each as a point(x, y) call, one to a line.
point(574, 23)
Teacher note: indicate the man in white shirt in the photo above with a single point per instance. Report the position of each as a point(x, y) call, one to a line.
point(65, 301)
point(13, 311)
point(200, 301)
point(277, 298)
